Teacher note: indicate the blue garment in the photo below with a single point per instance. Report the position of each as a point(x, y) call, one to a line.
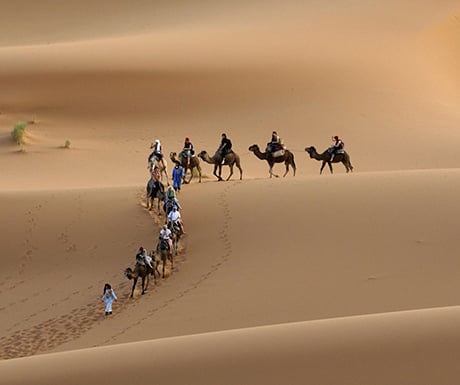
point(178, 175)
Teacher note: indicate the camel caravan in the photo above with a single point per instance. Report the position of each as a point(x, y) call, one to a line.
point(186, 166)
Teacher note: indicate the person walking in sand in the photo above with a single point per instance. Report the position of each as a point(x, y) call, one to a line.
point(177, 176)
point(108, 297)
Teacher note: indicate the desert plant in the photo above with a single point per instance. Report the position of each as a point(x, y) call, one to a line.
point(18, 133)
point(67, 143)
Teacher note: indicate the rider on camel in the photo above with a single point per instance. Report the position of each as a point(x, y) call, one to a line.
point(165, 237)
point(225, 147)
point(275, 144)
point(336, 147)
point(174, 218)
point(188, 150)
point(142, 258)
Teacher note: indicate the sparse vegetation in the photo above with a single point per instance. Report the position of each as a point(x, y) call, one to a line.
point(18, 133)
point(67, 143)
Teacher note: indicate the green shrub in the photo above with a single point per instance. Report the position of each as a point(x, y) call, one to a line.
point(67, 143)
point(18, 133)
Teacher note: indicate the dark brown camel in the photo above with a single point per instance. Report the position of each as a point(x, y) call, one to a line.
point(287, 158)
point(176, 233)
point(182, 161)
point(165, 254)
point(154, 190)
point(143, 271)
point(325, 157)
point(231, 159)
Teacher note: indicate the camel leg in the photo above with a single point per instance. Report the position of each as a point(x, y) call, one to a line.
point(238, 165)
point(147, 279)
point(164, 266)
point(330, 167)
point(171, 256)
point(215, 173)
point(134, 286)
point(231, 171)
point(287, 169)
point(322, 166)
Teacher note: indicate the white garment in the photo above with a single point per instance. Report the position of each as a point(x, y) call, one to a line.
point(108, 297)
point(148, 260)
point(173, 216)
point(164, 234)
point(157, 147)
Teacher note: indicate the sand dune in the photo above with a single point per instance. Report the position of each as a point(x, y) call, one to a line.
point(409, 347)
point(343, 278)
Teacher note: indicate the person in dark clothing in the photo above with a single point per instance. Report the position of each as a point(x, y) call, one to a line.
point(336, 147)
point(275, 144)
point(225, 146)
point(188, 150)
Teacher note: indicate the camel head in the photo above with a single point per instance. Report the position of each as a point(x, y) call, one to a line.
point(202, 154)
point(129, 273)
point(254, 148)
point(311, 150)
point(172, 155)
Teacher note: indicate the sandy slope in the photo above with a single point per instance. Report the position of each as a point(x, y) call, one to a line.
point(289, 278)
point(409, 347)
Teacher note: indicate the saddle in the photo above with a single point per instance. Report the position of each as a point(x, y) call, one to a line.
point(275, 149)
point(186, 153)
point(174, 227)
point(338, 151)
point(164, 244)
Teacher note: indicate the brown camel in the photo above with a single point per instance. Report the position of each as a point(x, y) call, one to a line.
point(165, 254)
point(287, 158)
point(143, 271)
point(231, 159)
point(182, 161)
point(176, 233)
point(325, 157)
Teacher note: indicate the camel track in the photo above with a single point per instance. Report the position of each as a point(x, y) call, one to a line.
point(51, 333)
point(223, 258)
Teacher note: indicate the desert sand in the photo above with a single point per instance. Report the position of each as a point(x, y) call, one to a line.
point(343, 278)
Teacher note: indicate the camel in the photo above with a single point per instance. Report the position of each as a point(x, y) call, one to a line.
point(231, 159)
point(325, 157)
point(287, 158)
point(143, 271)
point(154, 190)
point(176, 233)
point(162, 165)
point(165, 254)
point(182, 161)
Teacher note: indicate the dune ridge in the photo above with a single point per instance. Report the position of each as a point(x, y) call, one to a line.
point(380, 348)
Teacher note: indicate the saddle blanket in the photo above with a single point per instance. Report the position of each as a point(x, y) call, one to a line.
point(278, 153)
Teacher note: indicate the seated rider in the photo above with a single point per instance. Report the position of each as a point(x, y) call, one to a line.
point(336, 147)
point(157, 150)
point(165, 238)
point(170, 193)
point(170, 199)
point(175, 219)
point(188, 151)
point(225, 147)
point(142, 258)
point(275, 144)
